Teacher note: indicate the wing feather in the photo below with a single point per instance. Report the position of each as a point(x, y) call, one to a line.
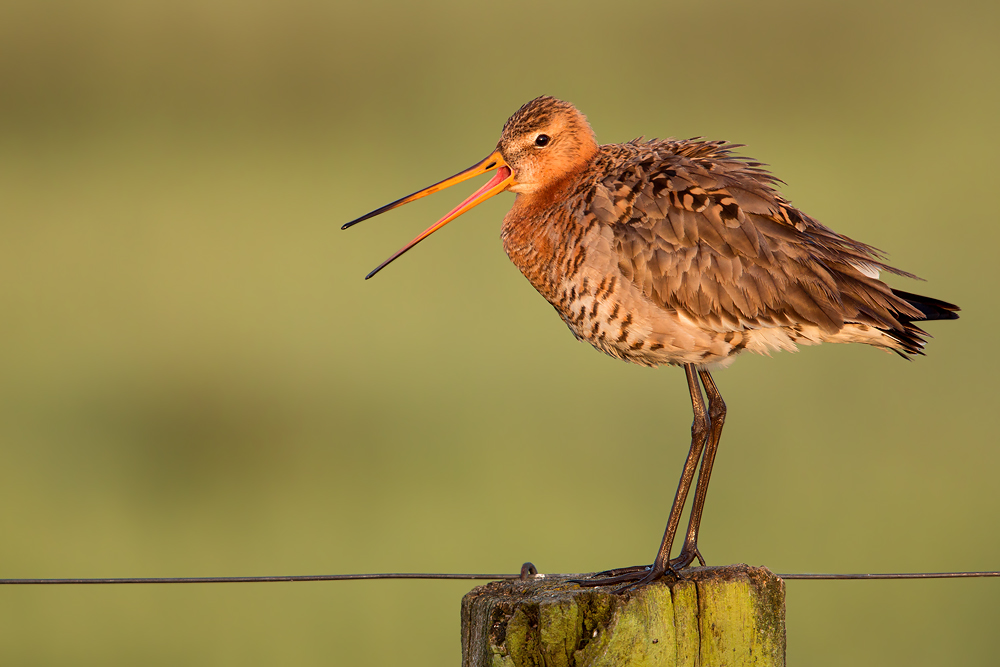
point(703, 232)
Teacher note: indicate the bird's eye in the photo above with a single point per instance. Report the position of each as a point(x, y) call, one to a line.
point(542, 140)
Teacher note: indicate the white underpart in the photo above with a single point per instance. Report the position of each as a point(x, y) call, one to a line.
point(763, 341)
point(867, 269)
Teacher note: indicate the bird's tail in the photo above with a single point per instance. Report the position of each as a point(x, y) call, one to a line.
point(910, 336)
point(932, 309)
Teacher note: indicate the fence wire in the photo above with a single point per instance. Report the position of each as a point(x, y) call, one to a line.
point(528, 571)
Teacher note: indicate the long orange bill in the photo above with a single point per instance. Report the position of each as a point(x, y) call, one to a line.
point(497, 184)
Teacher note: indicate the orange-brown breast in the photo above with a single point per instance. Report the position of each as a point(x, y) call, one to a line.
point(567, 255)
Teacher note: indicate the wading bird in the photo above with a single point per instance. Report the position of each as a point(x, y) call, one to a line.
point(678, 253)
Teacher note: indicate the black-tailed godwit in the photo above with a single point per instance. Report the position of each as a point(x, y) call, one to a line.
point(678, 253)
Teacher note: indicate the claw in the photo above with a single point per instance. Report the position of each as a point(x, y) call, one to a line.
point(687, 556)
point(622, 570)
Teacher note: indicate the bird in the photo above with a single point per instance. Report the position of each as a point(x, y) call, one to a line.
point(678, 253)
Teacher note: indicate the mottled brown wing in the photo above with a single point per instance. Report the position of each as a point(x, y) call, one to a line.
point(703, 232)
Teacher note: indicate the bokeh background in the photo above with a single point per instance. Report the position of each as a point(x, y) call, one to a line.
point(195, 380)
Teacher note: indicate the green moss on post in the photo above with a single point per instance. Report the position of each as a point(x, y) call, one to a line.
point(731, 615)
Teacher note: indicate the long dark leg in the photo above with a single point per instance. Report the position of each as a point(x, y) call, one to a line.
point(699, 431)
point(717, 414)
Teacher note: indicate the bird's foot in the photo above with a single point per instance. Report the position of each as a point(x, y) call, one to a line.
point(687, 556)
point(631, 577)
point(640, 575)
point(606, 574)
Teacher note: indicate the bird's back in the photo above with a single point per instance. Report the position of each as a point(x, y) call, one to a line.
point(673, 252)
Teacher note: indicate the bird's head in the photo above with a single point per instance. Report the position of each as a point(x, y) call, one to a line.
point(545, 141)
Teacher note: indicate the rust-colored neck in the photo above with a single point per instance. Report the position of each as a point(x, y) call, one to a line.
point(535, 229)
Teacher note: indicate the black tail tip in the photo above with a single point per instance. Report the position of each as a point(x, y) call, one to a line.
point(931, 309)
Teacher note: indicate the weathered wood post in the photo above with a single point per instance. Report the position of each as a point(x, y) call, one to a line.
point(715, 616)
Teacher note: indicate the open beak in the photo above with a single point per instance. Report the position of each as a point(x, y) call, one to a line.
point(500, 181)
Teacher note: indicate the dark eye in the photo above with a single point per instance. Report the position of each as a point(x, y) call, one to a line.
point(542, 140)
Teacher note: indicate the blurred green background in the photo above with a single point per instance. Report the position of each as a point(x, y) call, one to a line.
point(195, 380)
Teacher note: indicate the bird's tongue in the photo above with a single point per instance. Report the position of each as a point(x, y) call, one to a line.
point(502, 173)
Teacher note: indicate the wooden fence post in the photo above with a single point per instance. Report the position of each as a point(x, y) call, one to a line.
point(715, 616)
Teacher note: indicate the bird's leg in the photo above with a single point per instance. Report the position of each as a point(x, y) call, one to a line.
point(699, 430)
point(642, 574)
point(717, 415)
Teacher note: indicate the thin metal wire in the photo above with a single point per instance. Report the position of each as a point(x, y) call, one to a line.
point(893, 575)
point(244, 580)
point(417, 575)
